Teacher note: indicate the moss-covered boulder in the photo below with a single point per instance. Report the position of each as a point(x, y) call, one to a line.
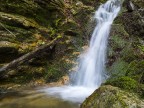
point(112, 97)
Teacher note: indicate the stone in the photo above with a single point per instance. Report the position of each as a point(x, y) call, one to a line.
point(130, 6)
point(112, 97)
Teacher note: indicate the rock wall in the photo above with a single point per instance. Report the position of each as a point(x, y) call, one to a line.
point(28, 24)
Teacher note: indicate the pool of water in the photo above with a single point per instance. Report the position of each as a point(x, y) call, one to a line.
point(33, 99)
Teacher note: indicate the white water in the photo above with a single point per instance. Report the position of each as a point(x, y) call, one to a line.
point(91, 73)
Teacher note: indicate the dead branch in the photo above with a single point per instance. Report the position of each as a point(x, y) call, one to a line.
point(15, 63)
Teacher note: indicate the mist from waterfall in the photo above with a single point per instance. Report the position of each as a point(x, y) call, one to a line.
point(91, 71)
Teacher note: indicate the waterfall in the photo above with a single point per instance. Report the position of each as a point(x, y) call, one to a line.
point(91, 72)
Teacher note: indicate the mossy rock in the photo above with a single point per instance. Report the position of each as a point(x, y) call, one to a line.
point(125, 59)
point(24, 74)
point(124, 82)
point(132, 22)
point(138, 4)
point(112, 97)
point(118, 42)
point(136, 71)
point(27, 8)
point(118, 68)
point(19, 21)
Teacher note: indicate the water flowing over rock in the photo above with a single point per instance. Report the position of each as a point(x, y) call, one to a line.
point(91, 72)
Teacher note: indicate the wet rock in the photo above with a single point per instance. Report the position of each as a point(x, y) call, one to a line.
point(112, 97)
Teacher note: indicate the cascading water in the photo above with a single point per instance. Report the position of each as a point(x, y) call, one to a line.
point(91, 71)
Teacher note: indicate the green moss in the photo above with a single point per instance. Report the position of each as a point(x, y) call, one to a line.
point(136, 70)
point(125, 83)
point(118, 68)
point(17, 34)
point(113, 97)
point(39, 11)
point(25, 74)
point(55, 71)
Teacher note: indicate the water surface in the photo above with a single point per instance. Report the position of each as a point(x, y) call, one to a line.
point(33, 99)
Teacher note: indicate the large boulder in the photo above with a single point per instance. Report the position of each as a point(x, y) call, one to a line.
point(112, 97)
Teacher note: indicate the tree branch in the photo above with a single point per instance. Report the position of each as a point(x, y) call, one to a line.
point(26, 57)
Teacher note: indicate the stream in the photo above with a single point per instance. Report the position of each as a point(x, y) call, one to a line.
point(33, 98)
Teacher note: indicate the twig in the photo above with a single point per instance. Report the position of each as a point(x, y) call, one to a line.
point(7, 29)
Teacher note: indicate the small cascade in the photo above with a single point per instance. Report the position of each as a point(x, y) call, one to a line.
point(91, 72)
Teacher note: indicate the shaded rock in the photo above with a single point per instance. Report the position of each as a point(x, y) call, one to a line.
point(71, 33)
point(112, 97)
point(20, 21)
point(132, 17)
point(125, 54)
point(133, 23)
point(138, 3)
point(130, 6)
point(8, 51)
point(16, 20)
point(6, 46)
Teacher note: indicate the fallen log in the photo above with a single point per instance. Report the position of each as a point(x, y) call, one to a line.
point(4, 70)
